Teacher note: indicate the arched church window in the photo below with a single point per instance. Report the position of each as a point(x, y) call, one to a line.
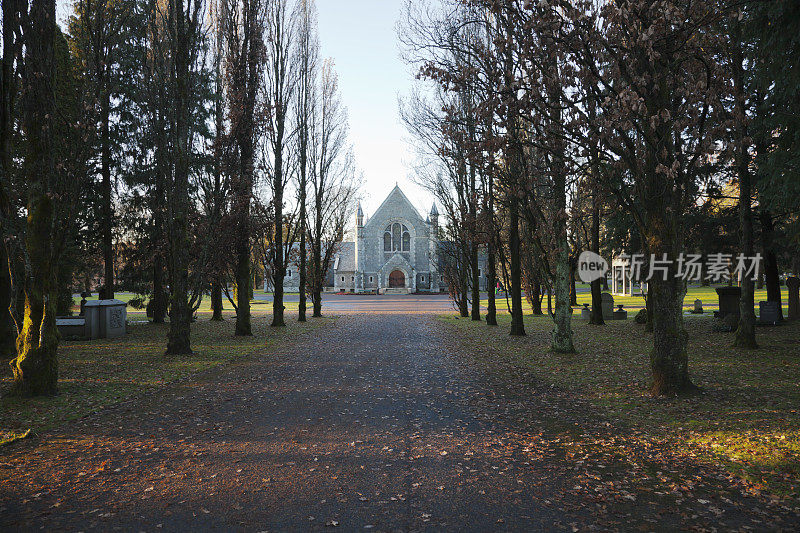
point(396, 238)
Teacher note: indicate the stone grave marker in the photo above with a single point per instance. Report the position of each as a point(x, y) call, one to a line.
point(768, 313)
point(607, 306)
point(728, 301)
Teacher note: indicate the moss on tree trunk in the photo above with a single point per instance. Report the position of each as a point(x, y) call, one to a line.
point(178, 340)
point(36, 365)
point(669, 359)
point(562, 332)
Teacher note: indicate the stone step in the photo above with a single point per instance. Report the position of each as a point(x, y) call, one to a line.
point(397, 290)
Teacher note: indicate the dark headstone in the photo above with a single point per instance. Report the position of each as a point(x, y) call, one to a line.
point(768, 313)
point(793, 284)
point(728, 301)
point(698, 307)
point(607, 306)
point(620, 313)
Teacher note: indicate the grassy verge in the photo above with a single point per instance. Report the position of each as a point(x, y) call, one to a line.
point(746, 419)
point(98, 373)
point(707, 295)
point(205, 305)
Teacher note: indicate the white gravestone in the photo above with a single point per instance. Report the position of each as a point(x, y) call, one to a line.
point(106, 319)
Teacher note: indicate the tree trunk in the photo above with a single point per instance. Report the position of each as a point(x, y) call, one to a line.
point(669, 359)
point(278, 269)
point(562, 332)
point(243, 327)
point(219, 139)
point(8, 326)
point(596, 316)
point(178, 340)
point(159, 296)
point(36, 365)
point(159, 304)
point(746, 332)
point(491, 285)
point(8, 329)
point(216, 301)
point(463, 279)
point(243, 194)
point(517, 324)
point(573, 291)
point(491, 265)
point(301, 310)
point(105, 170)
point(536, 301)
point(771, 273)
point(316, 258)
point(475, 313)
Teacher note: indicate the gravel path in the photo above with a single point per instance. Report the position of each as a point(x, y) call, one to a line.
point(374, 423)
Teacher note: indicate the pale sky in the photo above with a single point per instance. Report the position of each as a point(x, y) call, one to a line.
point(361, 37)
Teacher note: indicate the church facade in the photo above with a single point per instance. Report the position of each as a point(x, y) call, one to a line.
point(395, 250)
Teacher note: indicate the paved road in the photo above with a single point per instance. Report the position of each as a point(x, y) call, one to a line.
point(375, 423)
point(366, 424)
point(375, 304)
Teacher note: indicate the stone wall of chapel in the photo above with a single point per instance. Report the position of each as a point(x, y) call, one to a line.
point(395, 210)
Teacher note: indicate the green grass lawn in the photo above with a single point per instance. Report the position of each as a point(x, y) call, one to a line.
point(98, 373)
point(707, 295)
point(204, 309)
point(746, 419)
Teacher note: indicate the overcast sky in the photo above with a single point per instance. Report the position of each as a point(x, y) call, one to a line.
point(361, 37)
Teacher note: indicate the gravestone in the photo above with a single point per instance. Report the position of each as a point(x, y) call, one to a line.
point(620, 313)
point(71, 328)
point(106, 319)
point(698, 307)
point(607, 306)
point(768, 313)
point(586, 313)
point(728, 301)
point(793, 284)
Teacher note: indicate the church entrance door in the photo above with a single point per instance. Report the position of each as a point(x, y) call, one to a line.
point(397, 279)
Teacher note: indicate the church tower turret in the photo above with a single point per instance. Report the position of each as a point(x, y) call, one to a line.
point(433, 252)
point(359, 274)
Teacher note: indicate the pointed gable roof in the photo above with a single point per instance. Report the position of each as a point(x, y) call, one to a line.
point(396, 196)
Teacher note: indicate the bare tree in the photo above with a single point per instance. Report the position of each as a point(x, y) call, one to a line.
point(333, 182)
point(306, 56)
point(8, 90)
point(184, 35)
point(243, 23)
point(36, 365)
point(280, 84)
